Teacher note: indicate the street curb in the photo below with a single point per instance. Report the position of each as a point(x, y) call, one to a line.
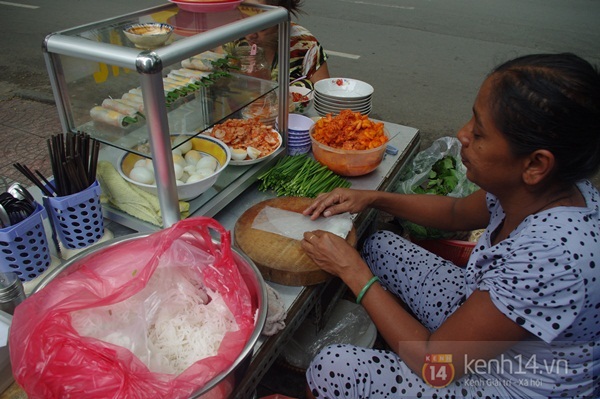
point(35, 96)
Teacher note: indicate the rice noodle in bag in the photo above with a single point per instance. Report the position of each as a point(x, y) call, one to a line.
point(82, 336)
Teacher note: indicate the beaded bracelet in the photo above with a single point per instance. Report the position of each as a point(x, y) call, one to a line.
point(366, 288)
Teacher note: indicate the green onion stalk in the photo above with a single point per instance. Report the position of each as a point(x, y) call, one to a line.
point(301, 176)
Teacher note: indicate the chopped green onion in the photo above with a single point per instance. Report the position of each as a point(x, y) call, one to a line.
point(301, 176)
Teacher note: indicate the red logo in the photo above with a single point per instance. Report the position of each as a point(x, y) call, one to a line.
point(438, 370)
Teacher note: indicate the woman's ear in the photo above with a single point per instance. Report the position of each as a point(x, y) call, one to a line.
point(538, 166)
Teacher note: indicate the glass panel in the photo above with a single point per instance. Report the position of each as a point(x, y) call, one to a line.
point(84, 86)
point(191, 108)
point(193, 103)
point(185, 23)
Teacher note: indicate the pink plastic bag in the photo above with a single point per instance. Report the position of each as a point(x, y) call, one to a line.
point(50, 359)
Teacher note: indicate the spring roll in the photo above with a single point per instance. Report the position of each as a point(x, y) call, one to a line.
point(208, 57)
point(137, 105)
point(170, 81)
point(190, 73)
point(105, 115)
point(120, 107)
point(181, 79)
point(178, 84)
point(133, 98)
point(203, 65)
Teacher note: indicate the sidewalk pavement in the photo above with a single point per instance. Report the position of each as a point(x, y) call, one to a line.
point(25, 124)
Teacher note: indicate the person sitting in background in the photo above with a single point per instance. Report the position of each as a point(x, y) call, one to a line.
point(522, 320)
point(308, 60)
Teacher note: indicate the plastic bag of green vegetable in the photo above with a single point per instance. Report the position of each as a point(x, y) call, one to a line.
point(436, 170)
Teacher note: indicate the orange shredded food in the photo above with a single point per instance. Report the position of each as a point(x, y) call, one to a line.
point(349, 131)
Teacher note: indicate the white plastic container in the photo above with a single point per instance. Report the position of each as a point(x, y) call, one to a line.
point(6, 376)
point(349, 323)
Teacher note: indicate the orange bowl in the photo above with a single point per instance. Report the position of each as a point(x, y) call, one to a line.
point(348, 162)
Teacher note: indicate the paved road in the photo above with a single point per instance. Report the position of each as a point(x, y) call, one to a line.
point(425, 58)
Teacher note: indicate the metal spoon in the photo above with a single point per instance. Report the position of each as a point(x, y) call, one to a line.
point(4, 218)
point(20, 192)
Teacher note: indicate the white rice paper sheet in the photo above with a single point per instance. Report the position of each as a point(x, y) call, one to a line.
point(293, 224)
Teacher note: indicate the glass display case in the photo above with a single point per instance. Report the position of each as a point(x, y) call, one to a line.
point(95, 67)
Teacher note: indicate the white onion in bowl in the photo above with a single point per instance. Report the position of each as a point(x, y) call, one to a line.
point(204, 172)
point(179, 160)
point(142, 175)
point(215, 150)
point(192, 157)
point(178, 171)
point(194, 178)
point(140, 164)
point(207, 163)
point(186, 146)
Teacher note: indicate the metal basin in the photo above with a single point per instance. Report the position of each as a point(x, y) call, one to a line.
point(256, 285)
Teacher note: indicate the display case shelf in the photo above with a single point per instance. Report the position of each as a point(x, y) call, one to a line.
point(191, 115)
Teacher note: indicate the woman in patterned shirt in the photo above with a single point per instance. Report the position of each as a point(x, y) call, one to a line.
point(522, 320)
point(307, 57)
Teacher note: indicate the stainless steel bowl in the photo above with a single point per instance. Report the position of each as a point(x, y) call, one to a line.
point(251, 275)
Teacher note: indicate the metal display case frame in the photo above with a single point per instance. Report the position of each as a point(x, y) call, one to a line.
point(149, 66)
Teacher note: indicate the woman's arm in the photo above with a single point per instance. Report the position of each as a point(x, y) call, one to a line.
point(476, 330)
point(321, 73)
point(446, 213)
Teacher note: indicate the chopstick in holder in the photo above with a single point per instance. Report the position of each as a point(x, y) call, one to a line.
point(74, 158)
point(85, 153)
point(54, 166)
point(56, 154)
point(93, 161)
point(81, 169)
point(50, 185)
point(70, 175)
point(25, 171)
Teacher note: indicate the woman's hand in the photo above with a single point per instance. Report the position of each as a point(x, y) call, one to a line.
point(333, 254)
point(338, 201)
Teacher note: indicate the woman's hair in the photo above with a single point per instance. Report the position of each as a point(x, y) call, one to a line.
point(552, 102)
point(293, 6)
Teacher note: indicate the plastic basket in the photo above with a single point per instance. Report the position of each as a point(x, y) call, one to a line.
point(456, 251)
point(77, 218)
point(24, 247)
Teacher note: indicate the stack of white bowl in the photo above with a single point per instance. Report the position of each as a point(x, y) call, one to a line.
point(299, 141)
point(335, 94)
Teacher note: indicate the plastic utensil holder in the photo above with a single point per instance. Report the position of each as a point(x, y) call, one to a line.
point(77, 218)
point(24, 247)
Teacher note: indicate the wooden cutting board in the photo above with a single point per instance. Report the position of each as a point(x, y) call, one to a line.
point(280, 259)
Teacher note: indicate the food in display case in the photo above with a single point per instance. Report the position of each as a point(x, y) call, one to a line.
point(264, 109)
point(207, 61)
point(111, 117)
point(148, 35)
point(197, 163)
point(87, 65)
point(199, 71)
point(249, 140)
